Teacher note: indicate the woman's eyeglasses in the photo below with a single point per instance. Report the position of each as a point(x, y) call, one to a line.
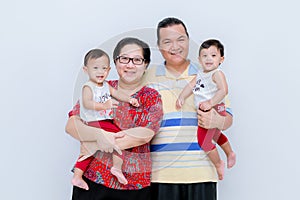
point(126, 60)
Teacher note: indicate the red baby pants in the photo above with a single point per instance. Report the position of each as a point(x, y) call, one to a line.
point(206, 136)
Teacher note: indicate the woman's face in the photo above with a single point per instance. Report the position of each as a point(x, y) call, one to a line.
point(130, 73)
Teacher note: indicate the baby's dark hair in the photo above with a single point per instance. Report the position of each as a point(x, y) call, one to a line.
point(94, 54)
point(212, 42)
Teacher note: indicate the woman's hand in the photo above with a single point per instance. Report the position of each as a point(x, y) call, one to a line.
point(93, 138)
point(106, 141)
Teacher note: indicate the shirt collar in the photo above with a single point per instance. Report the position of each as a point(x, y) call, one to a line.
point(161, 69)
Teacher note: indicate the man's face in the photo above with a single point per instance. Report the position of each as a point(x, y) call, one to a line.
point(174, 44)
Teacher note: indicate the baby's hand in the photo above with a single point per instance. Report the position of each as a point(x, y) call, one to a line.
point(205, 106)
point(134, 102)
point(114, 103)
point(179, 103)
point(111, 103)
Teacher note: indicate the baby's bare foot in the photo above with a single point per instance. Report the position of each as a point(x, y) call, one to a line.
point(231, 159)
point(120, 176)
point(79, 182)
point(220, 170)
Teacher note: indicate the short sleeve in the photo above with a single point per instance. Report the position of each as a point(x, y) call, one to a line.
point(75, 110)
point(227, 105)
point(153, 113)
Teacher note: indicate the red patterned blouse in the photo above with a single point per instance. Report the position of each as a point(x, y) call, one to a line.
point(136, 161)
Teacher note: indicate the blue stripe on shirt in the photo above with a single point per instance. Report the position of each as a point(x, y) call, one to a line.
point(175, 147)
point(190, 120)
point(179, 122)
point(228, 110)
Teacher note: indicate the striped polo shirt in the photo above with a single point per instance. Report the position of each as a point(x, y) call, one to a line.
point(176, 155)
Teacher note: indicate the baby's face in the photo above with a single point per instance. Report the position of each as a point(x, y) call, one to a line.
point(210, 58)
point(97, 69)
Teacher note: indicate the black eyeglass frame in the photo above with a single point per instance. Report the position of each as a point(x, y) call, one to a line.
point(130, 59)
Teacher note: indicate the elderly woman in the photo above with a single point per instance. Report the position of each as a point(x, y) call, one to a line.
point(131, 57)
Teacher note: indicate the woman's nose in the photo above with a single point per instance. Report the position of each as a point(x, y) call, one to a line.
point(130, 64)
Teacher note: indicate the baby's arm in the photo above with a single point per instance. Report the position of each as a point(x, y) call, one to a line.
point(220, 80)
point(89, 103)
point(186, 92)
point(121, 96)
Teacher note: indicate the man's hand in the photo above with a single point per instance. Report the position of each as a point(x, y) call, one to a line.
point(210, 119)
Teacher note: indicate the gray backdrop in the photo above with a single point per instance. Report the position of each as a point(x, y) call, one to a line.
point(42, 45)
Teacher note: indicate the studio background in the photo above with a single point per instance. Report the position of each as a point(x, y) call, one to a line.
point(42, 45)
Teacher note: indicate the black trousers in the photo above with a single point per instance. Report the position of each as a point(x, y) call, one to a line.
point(100, 192)
point(194, 191)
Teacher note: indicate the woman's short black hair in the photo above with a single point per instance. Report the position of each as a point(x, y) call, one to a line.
point(130, 40)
